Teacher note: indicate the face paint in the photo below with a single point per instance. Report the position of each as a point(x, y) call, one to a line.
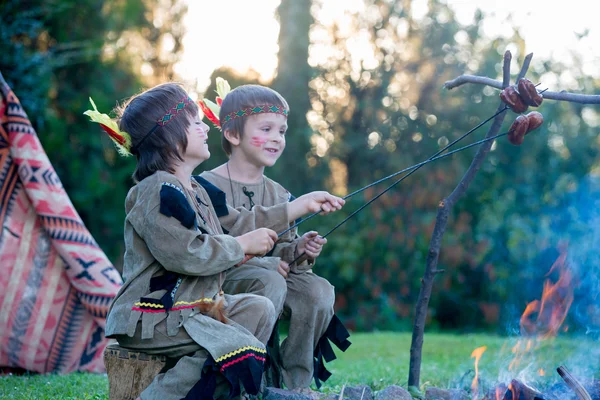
point(257, 141)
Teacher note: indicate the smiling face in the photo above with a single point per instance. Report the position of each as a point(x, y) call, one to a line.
point(263, 140)
point(197, 135)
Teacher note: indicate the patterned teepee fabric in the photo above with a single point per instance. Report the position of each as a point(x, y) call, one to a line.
point(56, 284)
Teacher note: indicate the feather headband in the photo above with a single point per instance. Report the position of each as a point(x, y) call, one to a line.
point(212, 110)
point(121, 139)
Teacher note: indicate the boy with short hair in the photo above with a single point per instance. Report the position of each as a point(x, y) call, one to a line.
point(253, 120)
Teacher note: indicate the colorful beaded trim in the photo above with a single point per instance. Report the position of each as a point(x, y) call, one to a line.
point(239, 351)
point(243, 357)
point(165, 119)
point(155, 306)
point(266, 108)
point(174, 111)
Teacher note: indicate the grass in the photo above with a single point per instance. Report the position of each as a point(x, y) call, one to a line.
point(377, 360)
point(54, 387)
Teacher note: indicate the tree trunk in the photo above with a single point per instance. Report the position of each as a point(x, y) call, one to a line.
point(293, 76)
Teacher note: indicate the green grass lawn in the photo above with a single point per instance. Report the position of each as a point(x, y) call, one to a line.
point(377, 360)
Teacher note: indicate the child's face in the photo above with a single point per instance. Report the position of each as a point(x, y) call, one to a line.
point(264, 138)
point(197, 135)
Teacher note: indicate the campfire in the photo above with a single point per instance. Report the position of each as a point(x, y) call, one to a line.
point(542, 319)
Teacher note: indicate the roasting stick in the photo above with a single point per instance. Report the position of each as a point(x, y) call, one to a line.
point(579, 390)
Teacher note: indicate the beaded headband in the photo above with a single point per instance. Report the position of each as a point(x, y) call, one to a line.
point(265, 108)
point(165, 119)
point(212, 110)
point(121, 139)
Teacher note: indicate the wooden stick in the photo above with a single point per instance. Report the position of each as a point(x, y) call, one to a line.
point(570, 380)
point(444, 208)
point(560, 96)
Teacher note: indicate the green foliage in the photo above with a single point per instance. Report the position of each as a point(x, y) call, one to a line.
point(24, 69)
point(372, 119)
point(62, 52)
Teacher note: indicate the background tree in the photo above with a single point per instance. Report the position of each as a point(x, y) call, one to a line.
point(293, 76)
point(381, 109)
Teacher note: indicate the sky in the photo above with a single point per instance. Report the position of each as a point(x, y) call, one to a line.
point(224, 32)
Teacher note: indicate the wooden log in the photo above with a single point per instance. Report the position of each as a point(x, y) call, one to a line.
point(130, 372)
point(517, 390)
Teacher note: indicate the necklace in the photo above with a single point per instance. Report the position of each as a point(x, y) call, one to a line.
point(248, 193)
point(205, 217)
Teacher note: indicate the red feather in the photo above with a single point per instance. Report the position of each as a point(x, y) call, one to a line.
point(118, 138)
point(209, 114)
point(219, 101)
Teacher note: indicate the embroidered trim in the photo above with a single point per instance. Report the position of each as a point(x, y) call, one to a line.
point(240, 350)
point(265, 108)
point(230, 363)
point(247, 370)
point(159, 308)
point(176, 109)
point(165, 119)
point(246, 366)
point(204, 300)
point(152, 305)
point(169, 184)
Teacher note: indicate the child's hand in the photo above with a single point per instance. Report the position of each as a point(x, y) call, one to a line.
point(311, 244)
point(313, 202)
point(283, 269)
point(257, 242)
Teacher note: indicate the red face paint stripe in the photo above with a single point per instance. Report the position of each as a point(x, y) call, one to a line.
point(257, 141)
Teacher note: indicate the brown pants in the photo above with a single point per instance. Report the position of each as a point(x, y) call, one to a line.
point(249, 278)
point(306, 299)
point(254, 313)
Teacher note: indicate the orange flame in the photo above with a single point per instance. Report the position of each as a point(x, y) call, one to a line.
point(554, 305)
point(542, 319)
point(500, 391)
point(514, 391)
point(477, 353)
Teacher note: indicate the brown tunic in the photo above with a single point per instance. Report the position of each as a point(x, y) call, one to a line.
point(266, 193)
point(177, 258)
point(304, 297)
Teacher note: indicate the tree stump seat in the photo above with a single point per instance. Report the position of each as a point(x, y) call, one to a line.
point(130, 372)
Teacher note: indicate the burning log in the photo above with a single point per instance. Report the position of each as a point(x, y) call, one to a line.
point(579, 390)
point(517, 390)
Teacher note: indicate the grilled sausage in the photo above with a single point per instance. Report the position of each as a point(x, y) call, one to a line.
point(518, 130)
point(529, 93)
point(511, 98)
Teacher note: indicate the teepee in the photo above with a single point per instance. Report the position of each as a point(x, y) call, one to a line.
point(56, 284)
